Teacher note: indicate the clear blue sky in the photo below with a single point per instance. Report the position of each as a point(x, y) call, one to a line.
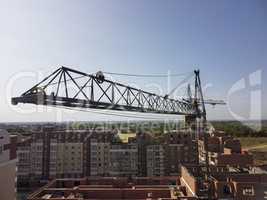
point(226, 40)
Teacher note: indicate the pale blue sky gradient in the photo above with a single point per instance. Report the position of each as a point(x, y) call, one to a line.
point(226, 40)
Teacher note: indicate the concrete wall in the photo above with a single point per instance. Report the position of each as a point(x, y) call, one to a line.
point(8, 180)
point(4, 143)
point(189, 182)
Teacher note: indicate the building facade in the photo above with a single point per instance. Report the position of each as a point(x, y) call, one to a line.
point(73, 154)
point(123, 160)
point(224, 183)
point(7, 166)
point(155, 162)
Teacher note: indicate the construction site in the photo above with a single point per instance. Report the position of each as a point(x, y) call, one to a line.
point(217, 169)
point(133, 100)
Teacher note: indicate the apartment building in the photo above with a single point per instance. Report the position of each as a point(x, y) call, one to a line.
point(73, 154)
point(63, 154)
point(24, 160)
point(7, 166)
point(97, 155)
point(142, 140)
point(224, 150)
point(50, 154)
point(224, 183)
point(176, 154)
point(66, 159)
point(182, 147)
point(165, 156)
point(37, 159)
point(155, 162)
point(123, 160)
point(99, 158)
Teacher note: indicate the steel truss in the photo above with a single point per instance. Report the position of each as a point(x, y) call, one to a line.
point(100, 93)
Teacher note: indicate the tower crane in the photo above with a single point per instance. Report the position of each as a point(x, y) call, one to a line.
point(97, 92)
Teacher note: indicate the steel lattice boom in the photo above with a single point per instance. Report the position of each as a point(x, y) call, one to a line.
point(72, 88)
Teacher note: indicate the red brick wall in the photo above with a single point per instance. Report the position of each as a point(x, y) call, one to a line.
point(235, 159)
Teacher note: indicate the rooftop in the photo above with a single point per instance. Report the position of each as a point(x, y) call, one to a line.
point(90, 188)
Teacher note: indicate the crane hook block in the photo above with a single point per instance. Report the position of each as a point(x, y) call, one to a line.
point(100, 77)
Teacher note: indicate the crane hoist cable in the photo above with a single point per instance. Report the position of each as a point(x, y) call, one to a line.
point(185, 80)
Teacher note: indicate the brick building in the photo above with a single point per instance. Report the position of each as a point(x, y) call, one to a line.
point(53, 153)
point(123, 160)
point(165, 155)
point(50, 154)
point(224, 150)
point(24, 159)
point(225, 183)
point(109, 188)
point(7, 165)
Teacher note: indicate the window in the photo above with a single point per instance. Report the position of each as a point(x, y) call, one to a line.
point(93, 147)
point(149, 194)
point(1, 149)
point(226, 189)
point(248, 191)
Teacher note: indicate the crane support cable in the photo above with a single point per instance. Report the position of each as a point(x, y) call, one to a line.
point(185, 80)
point(133, 75)
point(146, 75)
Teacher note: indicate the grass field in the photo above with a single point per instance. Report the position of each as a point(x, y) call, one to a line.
point(125, 136)
point(257, 146)
point(250, 142)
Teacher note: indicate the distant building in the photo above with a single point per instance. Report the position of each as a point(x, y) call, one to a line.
point(7, 165)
